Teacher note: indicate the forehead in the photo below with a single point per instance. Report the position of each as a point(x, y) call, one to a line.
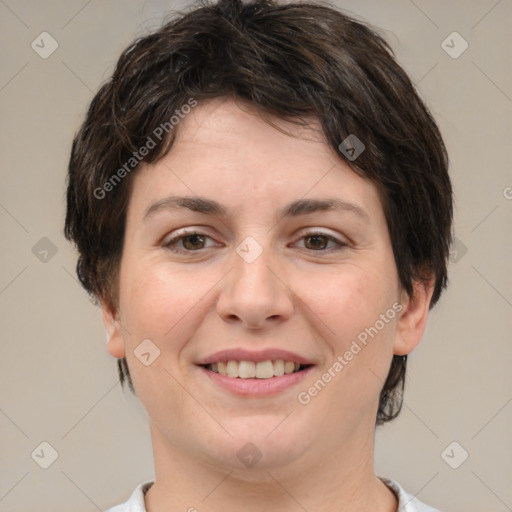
point(221, 118)
point(233, 152)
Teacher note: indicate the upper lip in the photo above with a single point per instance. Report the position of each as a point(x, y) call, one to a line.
point(240, 354)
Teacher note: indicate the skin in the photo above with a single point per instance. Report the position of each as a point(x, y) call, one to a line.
point(299, 295)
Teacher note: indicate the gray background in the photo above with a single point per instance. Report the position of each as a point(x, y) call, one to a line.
point(59, 385)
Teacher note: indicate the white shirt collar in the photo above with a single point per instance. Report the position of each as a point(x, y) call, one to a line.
point(406, 502)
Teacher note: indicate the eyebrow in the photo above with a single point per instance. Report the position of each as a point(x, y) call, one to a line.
point(294, 209)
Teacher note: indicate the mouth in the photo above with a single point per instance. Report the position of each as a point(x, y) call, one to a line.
point(268, 369)
point(247, 373)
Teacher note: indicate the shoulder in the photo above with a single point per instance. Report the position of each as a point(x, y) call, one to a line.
point(407, 502)
point(136, 501)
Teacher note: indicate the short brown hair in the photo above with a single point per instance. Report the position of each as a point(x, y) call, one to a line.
point(292, 61)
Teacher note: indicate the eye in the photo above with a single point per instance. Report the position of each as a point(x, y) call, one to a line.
point(196, 241)
point(321, 242)
point(189, 242)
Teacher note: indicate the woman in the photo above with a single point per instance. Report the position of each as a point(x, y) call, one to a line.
point(262, 207)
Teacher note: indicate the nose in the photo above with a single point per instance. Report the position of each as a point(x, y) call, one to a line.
point(255, 294)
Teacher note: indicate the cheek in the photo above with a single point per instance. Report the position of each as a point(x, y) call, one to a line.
point(163, 304)
point(159, 305)
point(348, 306)
point(346, 301)
point(355, 319)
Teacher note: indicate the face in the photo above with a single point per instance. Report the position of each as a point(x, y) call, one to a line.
point(260, 268)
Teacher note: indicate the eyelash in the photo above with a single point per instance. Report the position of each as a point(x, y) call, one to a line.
point(171, 244)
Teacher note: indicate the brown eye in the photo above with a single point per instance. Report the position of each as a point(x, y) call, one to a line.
point(193, 242)
point(190, 242)
point(316, 242)
point(322, 243)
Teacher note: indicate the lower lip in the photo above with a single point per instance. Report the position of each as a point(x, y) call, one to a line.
point(257, 387)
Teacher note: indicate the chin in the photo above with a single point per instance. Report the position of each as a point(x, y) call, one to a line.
point(260, 442)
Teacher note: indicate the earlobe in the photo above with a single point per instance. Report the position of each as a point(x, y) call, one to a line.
point(413, 317)
point(115, 342)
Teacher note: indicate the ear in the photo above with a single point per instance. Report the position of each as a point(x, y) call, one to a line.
point(413, 317)
point(115, 342)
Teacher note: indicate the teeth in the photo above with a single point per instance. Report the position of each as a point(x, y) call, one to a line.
point(289, 367)
point(232, 368)
point(246, 370)
point(251, 370)
point(278, 368)
point(221, 365)
point(264, 370)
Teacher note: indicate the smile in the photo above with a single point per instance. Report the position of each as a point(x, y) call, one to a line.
point(264, 372)
point(255, 370)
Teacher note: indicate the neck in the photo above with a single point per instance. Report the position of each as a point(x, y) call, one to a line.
point(329, 482)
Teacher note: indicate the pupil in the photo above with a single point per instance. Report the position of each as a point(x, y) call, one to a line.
point(316, 242)
point(193, 242)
